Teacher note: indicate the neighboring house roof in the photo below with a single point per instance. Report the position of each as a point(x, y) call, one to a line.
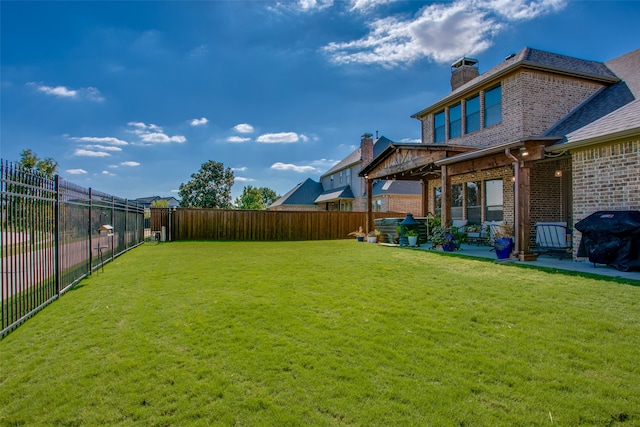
point(380, 144)
point(535, 59)
point(304, 193)
point(386, 187)
point(351, 159)
point(335, 194)
point(146, 200)
point(378, 147)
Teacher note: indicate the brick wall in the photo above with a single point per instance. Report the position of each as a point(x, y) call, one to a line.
point(605, 178)
point(532, 101)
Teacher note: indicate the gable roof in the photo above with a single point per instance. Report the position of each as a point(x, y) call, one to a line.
point(613, 112)
point(356, 156)
point(351, 159)
point(335, 194)
point(532, 59)
point(305, 193)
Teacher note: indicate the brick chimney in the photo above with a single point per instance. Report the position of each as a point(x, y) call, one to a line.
point(366, 149)
point(462, 71)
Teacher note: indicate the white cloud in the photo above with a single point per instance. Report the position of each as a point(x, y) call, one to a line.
point(89, 93)
point(101, 148)
point(161, 138)
point(153, 134)
point(199, 122)
point(242, 179)
point(412, 140)
point(129, 163)
point(442, 32)
point(244, 128)
point(324, 164)
point(242, 169)
point(88, 153)
point(281, 138)
point(76, 171)
point(93, 94)
point(291, 167)
point(107, 173)
point(366, 5)
point(237, 139)
point(101, 140)
point(60, 91)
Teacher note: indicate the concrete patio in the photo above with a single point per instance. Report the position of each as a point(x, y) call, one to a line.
point(548, 261)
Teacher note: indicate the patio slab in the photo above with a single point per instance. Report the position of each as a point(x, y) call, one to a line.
point(547, 261)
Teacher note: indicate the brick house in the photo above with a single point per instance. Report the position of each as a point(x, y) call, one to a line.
point(538, 137)
point(342, 189)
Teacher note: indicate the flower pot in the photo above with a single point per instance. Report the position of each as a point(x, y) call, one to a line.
point(372, 239)
point(360, 238)
point(448, 246)
point(503, 246)
point(413, 240)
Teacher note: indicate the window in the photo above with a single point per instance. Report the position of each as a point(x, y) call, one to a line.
point(438, 127)
point(348, 176)
point(493, 200)
point(437, 201)
point(378, 205)
point(472, 114)
point(493, 106)
point(456, 201)
point(331, 182)
point(474, 208)
point(455, 121)
point(340, 177)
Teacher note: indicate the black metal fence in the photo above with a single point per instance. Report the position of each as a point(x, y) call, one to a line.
point(53, 234)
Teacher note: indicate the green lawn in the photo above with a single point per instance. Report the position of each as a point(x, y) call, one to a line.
point(325, 333)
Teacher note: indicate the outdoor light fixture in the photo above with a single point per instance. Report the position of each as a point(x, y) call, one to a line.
point(558, 173)
point(524, 152)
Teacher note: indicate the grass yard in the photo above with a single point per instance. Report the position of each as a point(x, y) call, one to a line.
point(325, 333)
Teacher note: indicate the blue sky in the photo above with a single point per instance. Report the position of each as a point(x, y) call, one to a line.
point(132, 97)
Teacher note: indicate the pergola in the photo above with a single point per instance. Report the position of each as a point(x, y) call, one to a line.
point(424, 162)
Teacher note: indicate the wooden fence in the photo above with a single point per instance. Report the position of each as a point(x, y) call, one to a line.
point(220, 224)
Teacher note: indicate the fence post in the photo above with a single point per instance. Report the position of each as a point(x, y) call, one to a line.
point(56, 236)
point(90, 233)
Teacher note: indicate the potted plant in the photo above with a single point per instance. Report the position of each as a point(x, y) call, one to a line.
point(372, 236)
point(360, 234)
point(503, 241)
point(436, 236)
point(459, 236)
point(412, 236)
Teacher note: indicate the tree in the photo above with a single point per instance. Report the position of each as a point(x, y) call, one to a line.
point(256, 198)
point(209, 188)
point(160, 203)
point(29, 160)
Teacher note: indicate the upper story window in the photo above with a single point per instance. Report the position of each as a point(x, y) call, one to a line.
point(331, 179)
point(438, 127)
point(472, 114)
point(493, 106)
point(348, 176)
point(455, 121)
point(340, 177)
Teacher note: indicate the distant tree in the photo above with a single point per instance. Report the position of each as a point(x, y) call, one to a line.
point(209, 188)
point(256, 198)
point(29, 160)
point(160, 204)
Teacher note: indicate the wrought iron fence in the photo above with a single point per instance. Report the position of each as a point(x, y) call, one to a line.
point(53, 234)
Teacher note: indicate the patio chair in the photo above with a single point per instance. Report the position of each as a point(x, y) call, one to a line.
point(551, 238)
